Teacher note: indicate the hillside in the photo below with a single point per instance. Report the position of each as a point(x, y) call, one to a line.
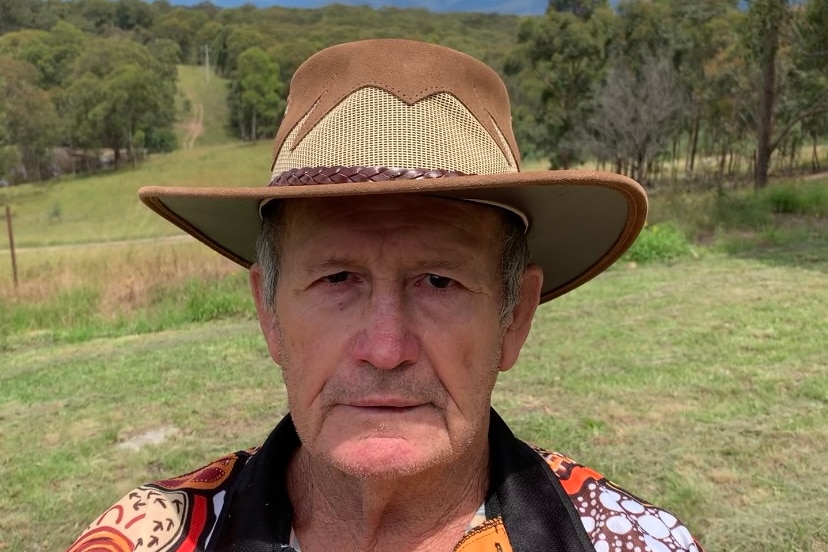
point(201, 104)
point(515, 7)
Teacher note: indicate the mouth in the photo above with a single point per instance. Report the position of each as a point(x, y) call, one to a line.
point(388, 404)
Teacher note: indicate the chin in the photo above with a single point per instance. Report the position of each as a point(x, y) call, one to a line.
point(386, 458)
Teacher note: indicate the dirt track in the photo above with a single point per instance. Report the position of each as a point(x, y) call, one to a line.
point(195, 127)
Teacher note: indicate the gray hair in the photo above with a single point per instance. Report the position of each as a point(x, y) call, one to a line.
point(515, 257)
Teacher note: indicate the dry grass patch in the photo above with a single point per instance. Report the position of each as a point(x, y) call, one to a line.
point(124, 274)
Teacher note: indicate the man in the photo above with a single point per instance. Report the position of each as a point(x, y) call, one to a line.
point(390, 266)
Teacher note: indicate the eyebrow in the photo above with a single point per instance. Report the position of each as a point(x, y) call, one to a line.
point(459, 264)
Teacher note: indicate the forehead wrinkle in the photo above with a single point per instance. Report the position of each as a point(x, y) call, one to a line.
point(434, 259)
point(468, 218)
point(458, 263)
point(393, 223)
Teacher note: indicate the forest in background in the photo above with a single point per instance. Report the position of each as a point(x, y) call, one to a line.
point(705, 92)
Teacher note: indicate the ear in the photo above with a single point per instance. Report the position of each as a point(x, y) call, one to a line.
point(518, 330)
point(267, 315)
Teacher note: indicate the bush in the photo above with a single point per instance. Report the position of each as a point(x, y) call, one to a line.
point(784, 200)
point(741, 210)
point(659, 243)
point(805, 199)
point(161, 141)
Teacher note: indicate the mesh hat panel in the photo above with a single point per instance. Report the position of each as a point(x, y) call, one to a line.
point(373, 127)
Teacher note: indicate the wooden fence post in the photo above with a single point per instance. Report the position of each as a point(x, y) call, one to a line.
point(11, 244)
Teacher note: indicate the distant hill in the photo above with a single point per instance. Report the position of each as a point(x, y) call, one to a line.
point(517, 7)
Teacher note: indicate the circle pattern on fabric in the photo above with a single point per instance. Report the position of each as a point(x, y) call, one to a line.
point(618, 522)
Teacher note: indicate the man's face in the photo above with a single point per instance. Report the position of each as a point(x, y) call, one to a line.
point(387, 327)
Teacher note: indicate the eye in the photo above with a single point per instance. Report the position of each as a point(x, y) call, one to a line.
point(337, 278)
point(439, 282)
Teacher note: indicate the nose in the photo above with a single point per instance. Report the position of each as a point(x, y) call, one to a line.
point(386, 340)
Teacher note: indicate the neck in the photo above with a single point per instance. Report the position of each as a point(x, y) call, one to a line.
point(426, 511)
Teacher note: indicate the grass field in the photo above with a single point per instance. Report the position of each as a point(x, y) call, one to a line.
point(693, 373)
point(212, 96)
point(105, 208)
point(701, 386)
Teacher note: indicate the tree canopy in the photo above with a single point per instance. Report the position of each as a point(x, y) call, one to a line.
point(701, 86)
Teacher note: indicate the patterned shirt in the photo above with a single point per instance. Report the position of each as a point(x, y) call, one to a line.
point(537, 501)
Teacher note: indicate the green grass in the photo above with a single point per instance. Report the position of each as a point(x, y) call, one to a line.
point(105, 207)
point(76, 315)
point(811, 198)
point(701, 386)
point(790, 214)
point(692, 373)
point(194, 88)
point(659, 243)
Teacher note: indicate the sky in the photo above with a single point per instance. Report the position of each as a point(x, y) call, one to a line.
point(519, 7)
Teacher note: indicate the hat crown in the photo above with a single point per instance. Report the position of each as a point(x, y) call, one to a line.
point(396, 103)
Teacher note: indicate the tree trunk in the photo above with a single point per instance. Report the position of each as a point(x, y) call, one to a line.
point(131, 150)
point(767, 98)
point(255, 135)
point(792, 157)
point(674, 157)
point(815, 155)
point(694, 143)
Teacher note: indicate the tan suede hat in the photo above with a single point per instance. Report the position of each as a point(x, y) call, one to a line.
point(398, 116)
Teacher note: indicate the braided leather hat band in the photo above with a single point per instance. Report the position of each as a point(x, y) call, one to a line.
point(340, 175)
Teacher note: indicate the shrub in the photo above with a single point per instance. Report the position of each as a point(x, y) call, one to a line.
point(784, 200)
point(659, 242)
point(161, 141)
point(804, 199)
point(741, 210)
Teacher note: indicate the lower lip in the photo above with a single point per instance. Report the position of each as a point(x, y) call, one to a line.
point(386, 409)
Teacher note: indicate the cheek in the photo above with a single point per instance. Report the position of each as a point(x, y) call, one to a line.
point(466, 362)
point(309, 358)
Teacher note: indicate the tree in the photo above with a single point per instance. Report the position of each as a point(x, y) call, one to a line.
point(786, 48)
point(51, 52)
point(637, 114)
point(232, 41)
point(95, 15)
point(258, 94)
point(29, 120)
point(182, 26)
point(698, 39)
point(130, 14)
point(582, 8)
point(168, 55)
point(567, 54)
point(766, 24)
point(15, 15)
point(117, 89)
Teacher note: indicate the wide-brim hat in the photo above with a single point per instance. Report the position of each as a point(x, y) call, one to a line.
point(400, 117)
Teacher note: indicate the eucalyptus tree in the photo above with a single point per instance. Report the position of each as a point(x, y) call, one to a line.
point(183, 26)
point(51, 52)
point(29, 122)
point(701, 46)
point(117, 90)
point(566, 53)
point(257, 94)
point(786, 50)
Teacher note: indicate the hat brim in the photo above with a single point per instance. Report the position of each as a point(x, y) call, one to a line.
point(580, 221)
